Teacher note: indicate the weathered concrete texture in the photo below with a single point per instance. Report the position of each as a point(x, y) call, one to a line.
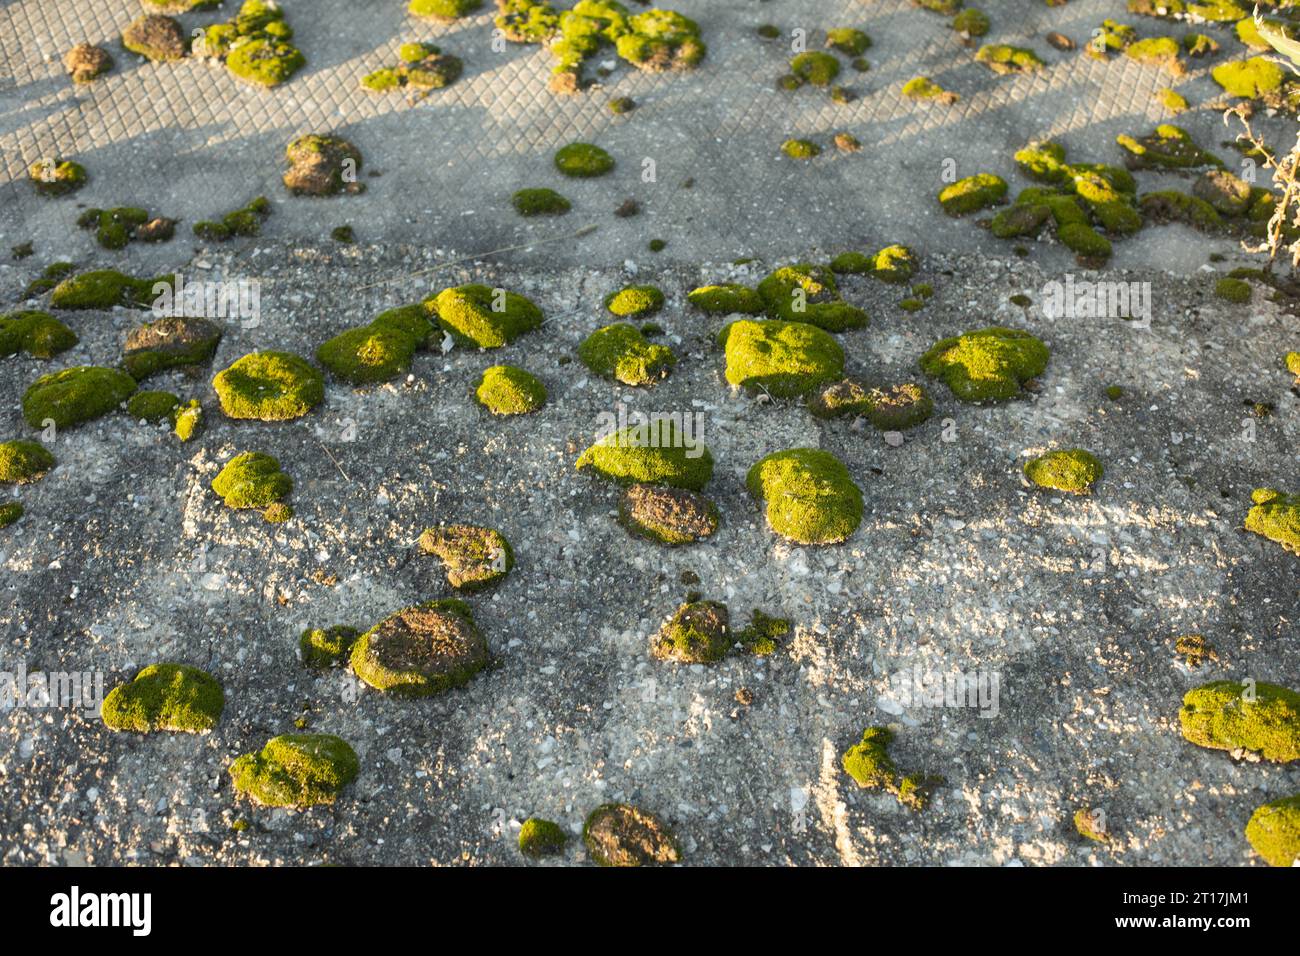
point(126, 557)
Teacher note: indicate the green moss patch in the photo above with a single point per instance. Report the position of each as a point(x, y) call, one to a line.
point(1257, 717)
point(322, 165)
point(326, 647)
point(619, 834)
point(1002, 58)
point(420, 66)
point(156, 37)
point(487, 318)
point(238, 222)
point(56, 177)
point(75, 395)
point(972, 194)
point(10, 512)
point(808, 293)
point(810, 496)
point(116, 227)
point(986, 365)
point(37, 333)
point(1170, 205)
point(654, 452)
point(815, 67)
point(296, 770)
point(635, 301)
point(763, 634)
point(668, 516)
point(1168, 147)
point(971, 23)
point(869, 764)
point(801, 149)
point(697, 633)
point(23, 461)
point(924, 88)
point(583, 160)
point(252, 480)
point(1274, 831)
point(1276, 516)
point(538, 838)
point(506, 390)
point(105, 288)
point(1255, 78)
point(254, 45)
point(378, 352)
point(540, 202)
point(474, 558)
point(1236, 291)
point(1071, 470)
point(169, 343)
point(785, 359)
point(421, 650)
point(726, 299)
point(152, 406)
point(187, 419)
point(444, 9)
point(621, 352)
point(269, 386)
point(170, 697)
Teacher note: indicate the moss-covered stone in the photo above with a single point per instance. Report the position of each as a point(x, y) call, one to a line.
point(1274, 831)
point(269, 386)
point(986, 365)
point(869, 764)
point(296, 770)
point(377, 352)
point(808, 293)
point(37, 333)
point(583, 160)
point(815, 67)
point(540, 202)
point(480, 316)
point(538, 838)
point(1276, 516)
point(1228, 194)
point(56, 177)
point(171, 697)
point(635, 301)
point(238, 222)
point(698, 633)
point(474, 558)
point(252, 480)
point(660, 40)
point(1292, 361)
point(618, 834)
point(897, 408)
point(801, 149)
point(10, 512)
point(187, 420)
point(444, 9)
point(1170, 205)
point(75, 395)
point(506, 390)
point(527, 21)
point(924, 88)
point(254, 45)
point(1003, 58)
point(85, 62)
point(326, 647)
point(621, 352)
point(1263, 719)
point(421, 650)
point(23, 461)
point(1071, 470)
point(726, 299)
point(322, 165)
point(809, 494)
point(972, 194)
point(169, 343)
point(1168, 147)
point(784, 359)
point(668, 516)
point(656, 452)
point(152, 406)
point(156, 37)
point(105, 288)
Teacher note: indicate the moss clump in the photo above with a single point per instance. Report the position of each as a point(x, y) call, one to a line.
point(1260, 718)
point(23, 461)
point(296, 770)
point(540, 202)
point(1087, 826)
point(819, 69)
point(170, 697)
point(114, 228)
point(946, 7)
point(37, 333)
point(1157, 51)
point(152, 406)
point(253, 480)
point(155, 37)
point(583, 160)
point(506, 390)
point(657, 451)
point(726, 299)
point(85, 61)
point(869, 764)
point(326, 647)
point(474, 558)
point(1198, 44)
point(972, 194)
point(444, 9)
point(255, 44)
point(1172, 100)
point(810, 496)
point(1169, 147)
point(807, 293)
point(1169, 205)
point(660, 40)
point(618, 834)
point(899, 407)
point(1274, 831)
point(483, 317)
point(1276, 516)
point(377, 352)
point(1072, 470)
point(762, 635)
point(187, 419)
point(1292, 361)
point(421, 650)
point(801, 149)
point(1003, 58)
point(669, 516)
point(75, 395)
point(1236, 291)
point(239, 222)
point(1228, 194)
point(56, 177)
point(621, 352)
point(895, 264)
point(269, 386)
point(10, 512)
point(986, 365)
point(48, 279)
point(1255, 78)
point(1090, 248)
point(538, 838)
point(169, 343)
point(971, 23)
point(924, 88)
point(105, 288)
point(696, 634)
point(847, 40)
point(321, 165)
point(784, 359)
point(635, 301)
point(422, 66)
